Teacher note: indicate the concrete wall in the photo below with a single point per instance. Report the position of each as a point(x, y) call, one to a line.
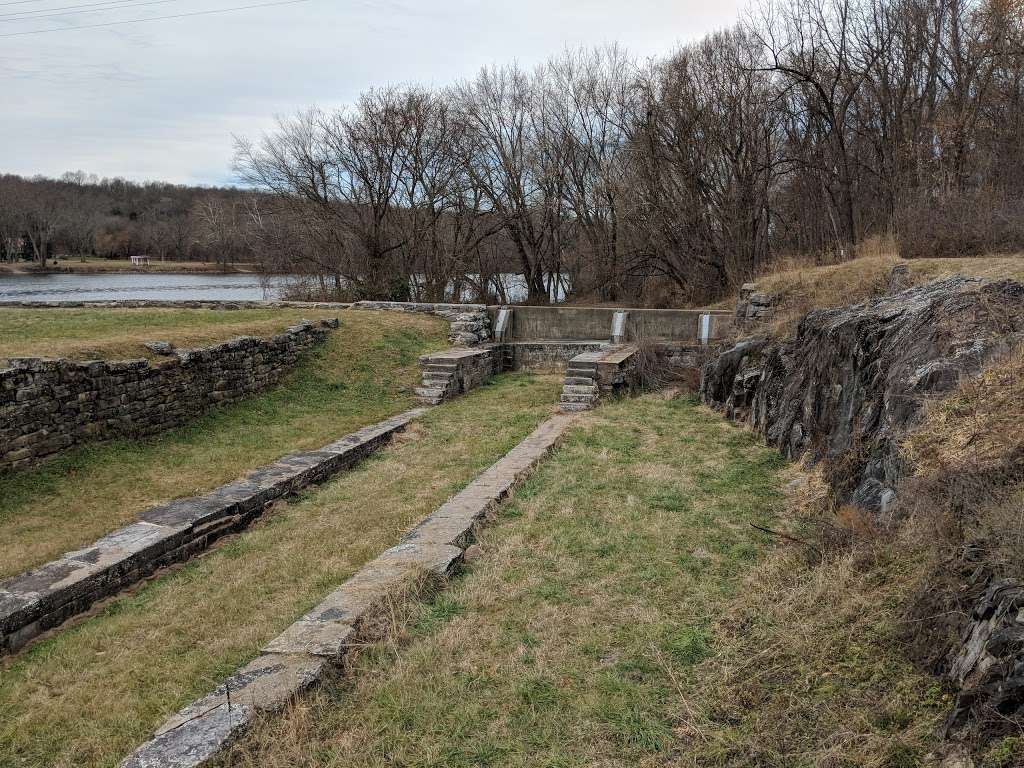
point(595, 323)
point(47, 406)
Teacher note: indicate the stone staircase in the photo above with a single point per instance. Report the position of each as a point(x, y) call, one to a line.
point(438, 378)
point(579, 391)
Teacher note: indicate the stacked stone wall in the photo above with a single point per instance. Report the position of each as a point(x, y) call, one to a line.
point(469, 324)
point(47, 406)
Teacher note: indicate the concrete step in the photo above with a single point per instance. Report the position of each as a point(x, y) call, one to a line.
point(579, 381)
point(580, 389)
point(430, 393)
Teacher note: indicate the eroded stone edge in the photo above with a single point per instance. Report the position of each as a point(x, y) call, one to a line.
point(43, 598)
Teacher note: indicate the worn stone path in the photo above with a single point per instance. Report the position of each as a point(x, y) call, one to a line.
point(322, 638)
point(45, 597)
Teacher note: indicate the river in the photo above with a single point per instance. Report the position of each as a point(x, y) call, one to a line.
point(60, 286)
point(106, 287)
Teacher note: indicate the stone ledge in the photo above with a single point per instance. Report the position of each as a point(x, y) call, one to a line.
point(320, 641)
point(45, 597)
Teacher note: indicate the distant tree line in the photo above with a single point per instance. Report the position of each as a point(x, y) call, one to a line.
point(82, 215)
point(807, 129)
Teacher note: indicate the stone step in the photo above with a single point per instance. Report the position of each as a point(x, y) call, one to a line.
point(436, 378)
point(441, 367)
point(580, 381)
point(430, 393)
point(579, 389)
point(570, 398)
point(582, 373)
point(575, 407)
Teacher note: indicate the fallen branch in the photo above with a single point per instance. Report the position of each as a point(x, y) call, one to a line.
point(787, 537)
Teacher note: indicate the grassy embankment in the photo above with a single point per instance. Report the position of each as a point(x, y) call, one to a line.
point(88, 695)
point(801, 287)
point(94, 265)
point(363, 373)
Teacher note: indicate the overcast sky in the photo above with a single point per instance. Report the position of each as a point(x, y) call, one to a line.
point(161, 100)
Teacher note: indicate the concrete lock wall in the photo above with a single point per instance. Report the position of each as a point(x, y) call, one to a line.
point(47, 406)
point(595, 323)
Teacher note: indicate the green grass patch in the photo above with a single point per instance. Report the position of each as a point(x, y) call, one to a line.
point(89, 695)
point(579, 630)
point(363, 373)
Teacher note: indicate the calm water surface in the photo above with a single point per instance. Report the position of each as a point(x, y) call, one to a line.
point(181, 287)
point(102, 287)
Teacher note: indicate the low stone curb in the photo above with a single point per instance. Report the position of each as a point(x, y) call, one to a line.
point(45, 597)
point(321, 640)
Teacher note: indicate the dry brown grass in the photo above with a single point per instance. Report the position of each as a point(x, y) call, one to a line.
point(802, 286)
point(89, 695)
point(846, 638)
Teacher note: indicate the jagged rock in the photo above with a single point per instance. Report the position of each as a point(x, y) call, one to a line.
point(989, 667)
point(753, 306)
point(852, 382)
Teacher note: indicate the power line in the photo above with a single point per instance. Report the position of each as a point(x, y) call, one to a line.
point(108, 5)
point(22, 2)
point(153, 18)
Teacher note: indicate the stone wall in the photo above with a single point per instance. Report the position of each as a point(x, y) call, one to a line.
point(469, 323)
point(45, 597)
point(47, 406)
point(455, 371)
point(324, 639)
point(753, 307)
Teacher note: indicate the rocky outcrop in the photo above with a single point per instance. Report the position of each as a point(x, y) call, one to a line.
point(988, 666)
point(853, 381)
point(754, 307)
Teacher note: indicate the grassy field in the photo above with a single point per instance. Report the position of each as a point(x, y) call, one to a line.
point(88, 695)
point(364, 373)
point(574, 638)
point(87, 334)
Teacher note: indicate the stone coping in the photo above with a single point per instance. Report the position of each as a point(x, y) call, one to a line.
point(43, 598)
point(322, 639)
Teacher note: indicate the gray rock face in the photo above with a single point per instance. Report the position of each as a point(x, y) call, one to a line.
point(853, 381)
point(989, 666)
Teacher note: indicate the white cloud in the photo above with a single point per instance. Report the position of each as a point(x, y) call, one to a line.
point(160, 100)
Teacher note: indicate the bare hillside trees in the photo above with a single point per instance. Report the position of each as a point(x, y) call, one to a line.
point(807, 129)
